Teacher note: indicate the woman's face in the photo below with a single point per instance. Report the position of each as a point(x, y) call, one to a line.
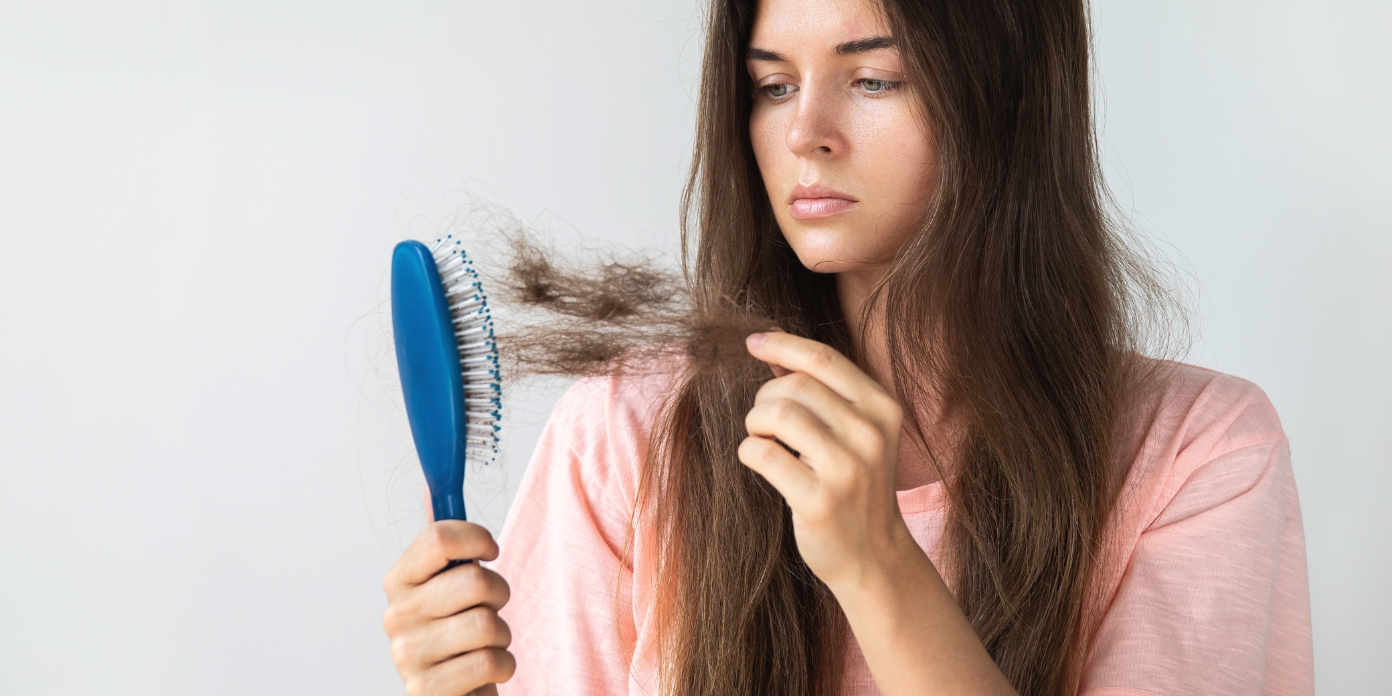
point(848, 166)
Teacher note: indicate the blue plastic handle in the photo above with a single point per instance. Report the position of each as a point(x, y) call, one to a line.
point(427, 357)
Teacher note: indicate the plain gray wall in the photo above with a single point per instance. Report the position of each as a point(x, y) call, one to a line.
point(205, 469)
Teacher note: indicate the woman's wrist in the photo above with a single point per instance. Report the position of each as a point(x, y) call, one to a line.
point(898, 563)
point(910, 628)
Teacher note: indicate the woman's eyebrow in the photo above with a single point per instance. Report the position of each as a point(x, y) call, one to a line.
point(849, 48)
point(763, 54)
point(864, 45)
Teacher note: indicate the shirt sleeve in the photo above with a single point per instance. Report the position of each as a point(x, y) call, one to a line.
point(561, 552)
point(1215, 596)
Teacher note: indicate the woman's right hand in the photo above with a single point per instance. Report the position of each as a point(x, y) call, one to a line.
point(446, 637)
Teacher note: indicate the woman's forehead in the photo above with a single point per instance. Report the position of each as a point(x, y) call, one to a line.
point(786, 26)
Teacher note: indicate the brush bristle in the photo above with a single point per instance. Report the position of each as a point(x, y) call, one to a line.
point(478, 347)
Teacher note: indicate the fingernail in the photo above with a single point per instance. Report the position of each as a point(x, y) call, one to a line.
point(756, 340)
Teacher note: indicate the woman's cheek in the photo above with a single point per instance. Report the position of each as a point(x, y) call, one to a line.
point(906, 180)
point(768, 136)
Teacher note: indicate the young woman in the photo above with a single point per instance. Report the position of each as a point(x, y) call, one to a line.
point(956, 475)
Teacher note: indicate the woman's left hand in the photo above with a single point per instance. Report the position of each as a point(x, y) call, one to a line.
point(840, 485)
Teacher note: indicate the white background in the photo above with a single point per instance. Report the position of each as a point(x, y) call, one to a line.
point(204, 466)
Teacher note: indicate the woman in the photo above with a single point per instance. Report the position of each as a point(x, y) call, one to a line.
point(962, 477)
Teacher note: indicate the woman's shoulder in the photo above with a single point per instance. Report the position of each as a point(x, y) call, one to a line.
point(1209, 411)
point(606, 419)
point(586, 468)
point(622, 403)
point(1204, 412)
point(1201, 430)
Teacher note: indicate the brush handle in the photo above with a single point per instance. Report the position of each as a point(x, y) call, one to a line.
point(447, 505)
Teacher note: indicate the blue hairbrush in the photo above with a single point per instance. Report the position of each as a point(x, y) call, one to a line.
point(447, 355)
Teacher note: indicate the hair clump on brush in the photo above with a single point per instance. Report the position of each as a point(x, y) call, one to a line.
point(585, 314)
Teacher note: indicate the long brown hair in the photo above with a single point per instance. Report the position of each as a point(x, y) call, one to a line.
point(1026, 291)
point(1036, 305)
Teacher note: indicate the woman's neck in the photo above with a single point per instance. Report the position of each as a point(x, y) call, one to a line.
point(868, 335)
point(866, 328)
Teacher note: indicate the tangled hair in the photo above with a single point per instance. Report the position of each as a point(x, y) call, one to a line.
point(1036, 306)
point(618, 312)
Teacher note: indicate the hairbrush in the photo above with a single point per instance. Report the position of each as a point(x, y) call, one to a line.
point(447, 355)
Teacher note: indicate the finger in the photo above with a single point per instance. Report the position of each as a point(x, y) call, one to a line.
point(429, 508)
point(472, 629)
point(449, 593)
point(778, 370)
point(794, 479)
point(820, 360)
point(855, 430)
point(433, 549)
point(485, 690)
point(469, 671)
point(795, 426)
point(826, 405)
point(461, 588)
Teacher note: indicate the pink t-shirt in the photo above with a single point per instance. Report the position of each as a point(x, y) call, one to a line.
point(1208, 586)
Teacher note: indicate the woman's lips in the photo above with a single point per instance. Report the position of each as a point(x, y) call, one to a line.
point(816, 201)
point(810, 208)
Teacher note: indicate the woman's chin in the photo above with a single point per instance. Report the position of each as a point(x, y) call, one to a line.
point(838, 263)
point(835, 251)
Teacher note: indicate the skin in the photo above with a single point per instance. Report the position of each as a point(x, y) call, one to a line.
point(845, 119)
point(831, 110)
point(446, 636)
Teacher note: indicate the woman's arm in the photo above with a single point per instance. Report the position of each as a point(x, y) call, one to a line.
point(840, 487)
point(914, 636)
point(1215, 594)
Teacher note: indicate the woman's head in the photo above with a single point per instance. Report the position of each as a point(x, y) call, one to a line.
point(843, 150)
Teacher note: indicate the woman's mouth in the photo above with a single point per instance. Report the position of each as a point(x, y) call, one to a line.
point(816, 201)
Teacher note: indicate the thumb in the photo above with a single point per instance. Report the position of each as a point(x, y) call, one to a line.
point(778, 370)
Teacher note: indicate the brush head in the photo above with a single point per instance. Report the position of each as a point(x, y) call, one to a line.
point(447, 354)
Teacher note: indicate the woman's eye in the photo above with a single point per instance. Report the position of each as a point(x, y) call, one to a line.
point(778, 91)
point(874, 86)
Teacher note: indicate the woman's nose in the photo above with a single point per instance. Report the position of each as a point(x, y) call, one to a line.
point(815, 130)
